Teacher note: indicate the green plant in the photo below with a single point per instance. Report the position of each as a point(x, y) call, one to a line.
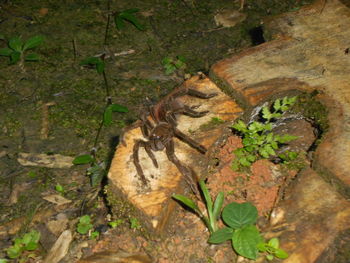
point(129, 16)
point(115, 223)
point(258, 139)
point(59, 188)
point(28, 242)
point(134, 223)
point(172, 64)
point(3, 260)
point(84, 225)
point(213, 209)
point(240, 220)
point(271, 248)
point(241, 230)
point(16, 49)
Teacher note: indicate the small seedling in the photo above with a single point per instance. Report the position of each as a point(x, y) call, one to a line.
point(241, 230)
point(134, 223)
point(271, 248)
point(84, 224)
point(16, 49)
point(116, 223)
point(258, 139)
point(28, 242)
point(59, 188)
point(97, 62)
point(129, 16)
point(107, 116)
point(171, 65)
point(96, 171)
point(94, 234)
point(213, 210)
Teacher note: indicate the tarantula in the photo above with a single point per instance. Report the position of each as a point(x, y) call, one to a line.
point(160, 129)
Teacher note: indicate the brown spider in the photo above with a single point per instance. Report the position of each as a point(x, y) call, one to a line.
point(161, 129)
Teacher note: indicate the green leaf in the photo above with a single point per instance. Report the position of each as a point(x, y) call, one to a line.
point(218, 204)
point(15, 57)
point(237, 215)
point(118, 108)
point(240, 126)
point(131, 10)
point(14, 251)
point(107, 116)
point(31, 246)
point(119, 23)
point(280, 253)
point(221, 235)
point(94, 235)
point(16, 44)
point(32, 57)
point(269, 257)
point(186, 201)
point(274, 242)
point(6, 52)
point(83, 159)
point(100, 67)
point(262, 247)
point(59, 188)
point(206, 195)
point(90, 61)
point(245, 162)
point(84, 224)
point(245, 241)
point(266, 113)
point(96, 172)
point(286, 138)
point(277, 104)
point(132, 19)
point(33, 42)
point(3, 260)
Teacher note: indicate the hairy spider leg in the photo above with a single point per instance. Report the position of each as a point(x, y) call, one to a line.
point(137, 145)
point(183, 137)
point(184, 170)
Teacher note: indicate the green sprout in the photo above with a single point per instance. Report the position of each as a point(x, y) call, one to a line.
point(271, 248)
point(258, 139)
point(213, 209)
point(84, 225)
point(28, 242)
point(129, 16)
point(17, 48)
point(172, 64)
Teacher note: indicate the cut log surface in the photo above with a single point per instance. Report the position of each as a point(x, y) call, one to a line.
point(153, 201)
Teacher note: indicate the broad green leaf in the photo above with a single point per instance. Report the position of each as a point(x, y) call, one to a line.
point(16, 44)
point(218, 204)
point(32, 57)
point(245, 241)
point(6, 52)
point(280, 253)
point(33, 42)
point(3, 260)
point(107, 116)
point(83, 159)
point(85, 219)
point(118, 108)
point(237, 215)
point(186, 201)
point(15, 57)
point(221, 235)
point(274, 242)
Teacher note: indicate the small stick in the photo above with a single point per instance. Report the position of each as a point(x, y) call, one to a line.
point(44, 133)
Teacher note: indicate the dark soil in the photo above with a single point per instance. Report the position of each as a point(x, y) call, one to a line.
point(74, 30)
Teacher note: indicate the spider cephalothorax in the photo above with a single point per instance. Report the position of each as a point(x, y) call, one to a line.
point(159, 127)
